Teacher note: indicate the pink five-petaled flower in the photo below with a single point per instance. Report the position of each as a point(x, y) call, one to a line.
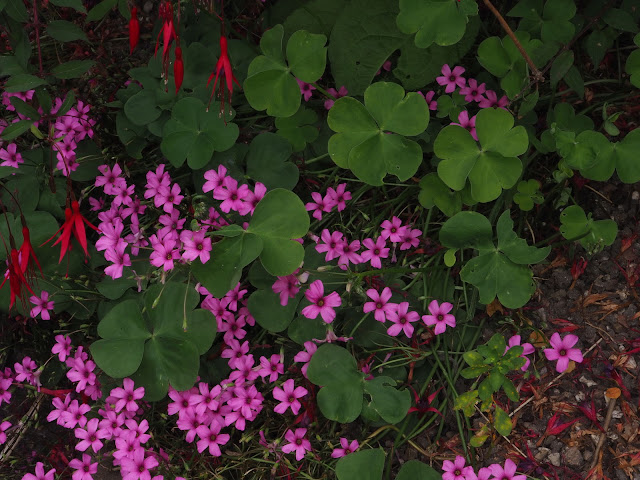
point(514, 341)
point(440, 316)
point(126, 396)
point(288, 287)
point(195, 245)
point(5, 394)
point(10, 157)
point(346, 449)
point(380, 304)
point(467, 123)
point(211, 438)
point(433, 104)
point(375, 252)
point(451, 78)
point(341, 92)
point(40, 475)
point(322, 304)
point(562, 351)
point(339, 196)
point(318, 206)
point(305, 355)
point(393, 230)
point(90, 436)
point(138, 465)
point(333, 243)
point(42, 305)
point(84, 469)
point(457, 470)
point(402, 320)
point(506, 473)
point(3, 427)
point(271, 367)
point(492, 100)
point(473, 92)
point(214, 179)
point(306, 89)
point(297, 443)
point(288, 397)
point(62, 347)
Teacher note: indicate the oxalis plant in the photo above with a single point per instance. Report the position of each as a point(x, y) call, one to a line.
point(279, 232)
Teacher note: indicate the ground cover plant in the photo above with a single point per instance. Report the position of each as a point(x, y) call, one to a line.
point(311, 239)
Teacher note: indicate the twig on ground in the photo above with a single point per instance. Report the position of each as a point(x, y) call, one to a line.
point(603, 435)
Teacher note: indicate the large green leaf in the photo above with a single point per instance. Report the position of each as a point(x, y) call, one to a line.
point(599, 233)
point(416, 470)
point(490, 168)
point(435, 21)
point(265, 307)
point(72, 69)
point(65, 31)
point(370, 138)
point(194, 132)
point(267, 162)
point(279, 218)
point(298, 129)
point(142, 108)
point(362, 465)
point(391, 404)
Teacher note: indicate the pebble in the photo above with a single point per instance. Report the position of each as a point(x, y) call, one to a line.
point(588, 382)
point(148, 6)
point(573, 457)
point(617, 413)
point(580, 397)
point(542, 453)
point(554, 459)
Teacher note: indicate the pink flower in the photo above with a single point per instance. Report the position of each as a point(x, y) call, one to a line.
point(349, 253)
point(40, 475)
point(492, 100)
point(24, 370)
point(119, 259)
point(164, 251)
point(346, 449)
point(320, 304)
point(155, 181)
point(457, 470)
point(211, 438)
point(467, 123)
point(318, 206)
point(214, 179)
point(514, 341)
point(84, 469)
point(297, 443)
point(207, 400)
point(10, 157)
point(506, 473)
point(126, 396)
point(433, 104)
point(410, 239)
point(110, 179)
point(306, 89)
point(5, 394)
point(392, 230)
point(168, 198)
point(339, 196)
point(440, 316)
point(137, 465)
point(195, 245)
point(42, 305)
point(380, 304)
point(288, 397)
point(333, 243)
point(342, 92)
point(90, 436)
point(375, 252)
point(271, 367)
point(562, 351)
point(402, 320)
point(62, 347)
point(288, 287)
point(3, 427)
point(305, 356)
point(473, 92)
point(451, 78)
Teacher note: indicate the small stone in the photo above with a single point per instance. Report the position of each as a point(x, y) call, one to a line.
point(617, 413)
point(587, 455)
point(573, 457)
point(554, 459)
point(588, 382)
point(542, 453)
point(580, 397)
point(148, 6)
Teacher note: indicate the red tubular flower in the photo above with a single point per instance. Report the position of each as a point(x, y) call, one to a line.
point(134, 29)
point(18, 285)
point(178, 69)
point(168, 33)
point(28, 255)
point(73, 224)
point(224, 66)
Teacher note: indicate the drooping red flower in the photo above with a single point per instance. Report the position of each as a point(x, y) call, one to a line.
point(28, 255)
point(73, 224)
point(223, 65)
point(178, 69)
point(168, 33)
point(134, 29)
point(18, 285)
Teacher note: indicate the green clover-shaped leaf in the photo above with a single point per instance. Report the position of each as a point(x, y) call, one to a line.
point(391, 404)
point(528, 194)
point(500, 271)
point(370, 138)
point(267, 162)
point(266, 309)
point(193, 133)
point(599, 233)
point(435, 21)
point(552, 23)
point(299, 129)
point(632, 66)
point(416, 470)
point(279, 218)
point(163, 350)
point(434, 192)
point(490, 168)
point(363, 465)
point(270, 83)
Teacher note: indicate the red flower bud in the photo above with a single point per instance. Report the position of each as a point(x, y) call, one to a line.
point(178, 69)
point(134, 29)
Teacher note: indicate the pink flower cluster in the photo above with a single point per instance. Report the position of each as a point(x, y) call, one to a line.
point(458, 470)
point(334, 198)
point(452, 79)
point(336, 246)
point(234, 197)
